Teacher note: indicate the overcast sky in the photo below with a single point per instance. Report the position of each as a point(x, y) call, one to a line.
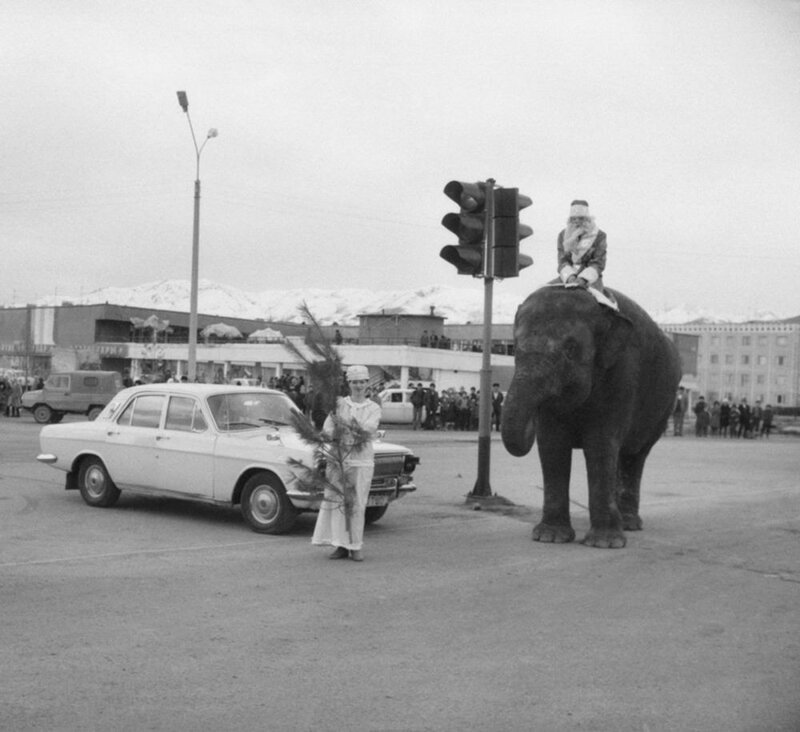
point(341, 121)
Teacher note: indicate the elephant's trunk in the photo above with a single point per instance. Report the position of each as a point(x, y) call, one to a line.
point(518, 423)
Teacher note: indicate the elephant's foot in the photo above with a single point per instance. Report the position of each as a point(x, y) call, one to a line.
point(605, 539)
point(553, 534)
point(631, 522)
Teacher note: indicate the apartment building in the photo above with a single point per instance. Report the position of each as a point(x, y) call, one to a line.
point(756, 360)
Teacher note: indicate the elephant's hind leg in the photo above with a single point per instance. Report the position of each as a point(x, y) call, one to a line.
point(629, 478)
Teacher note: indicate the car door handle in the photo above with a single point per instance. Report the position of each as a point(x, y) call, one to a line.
point(111, 433)
point(161, 437)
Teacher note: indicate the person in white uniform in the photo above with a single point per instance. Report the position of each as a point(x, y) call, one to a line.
point(359, 465)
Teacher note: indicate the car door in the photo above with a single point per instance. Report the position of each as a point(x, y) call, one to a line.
point(130, 446)
point(185, 449)
point(57, 391)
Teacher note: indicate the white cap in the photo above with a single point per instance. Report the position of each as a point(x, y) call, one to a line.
point(579, 208)
point(357, 373)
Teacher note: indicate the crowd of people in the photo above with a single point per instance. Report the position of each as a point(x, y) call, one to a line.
point(451, 409)
point(723, 418)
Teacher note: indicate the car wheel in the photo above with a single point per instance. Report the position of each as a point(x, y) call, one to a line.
point(95, 484)
point(93, 412)
point(265, 505)
point(42, 413)
point(374, 513)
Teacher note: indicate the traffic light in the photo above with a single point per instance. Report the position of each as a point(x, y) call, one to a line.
point(469, 226)
point(508, 231)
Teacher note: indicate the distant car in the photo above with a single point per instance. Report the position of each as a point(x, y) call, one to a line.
point(396, 406)
point(220, 444)
point(72, 392)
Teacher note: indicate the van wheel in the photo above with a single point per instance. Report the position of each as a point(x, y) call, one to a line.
point(42, 413)
point(95, 484)
point(93, 413)
point(265, 505)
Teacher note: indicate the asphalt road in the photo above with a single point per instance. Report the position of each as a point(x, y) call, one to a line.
point(163, 615)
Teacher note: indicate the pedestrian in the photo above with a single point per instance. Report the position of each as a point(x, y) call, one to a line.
point(431, 402)
point(497, 406)
point(679, 412)
point(715, 418)
point(15, 402)
point(744, 418)
point(5, 396)
point(417, 403)
point(756, 414)
point(766, 420)
point(340, 523)
point(701, 418)
point(724, 418)
point(734, 429)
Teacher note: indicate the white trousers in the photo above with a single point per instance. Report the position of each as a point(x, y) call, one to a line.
point(331, 528)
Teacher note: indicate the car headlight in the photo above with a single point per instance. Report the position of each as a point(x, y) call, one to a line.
point(410, 462)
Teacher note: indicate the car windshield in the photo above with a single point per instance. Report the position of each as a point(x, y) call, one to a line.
point(250, 409)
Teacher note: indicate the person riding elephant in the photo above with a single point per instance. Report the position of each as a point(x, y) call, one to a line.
point(582, 249)
point(590, 378)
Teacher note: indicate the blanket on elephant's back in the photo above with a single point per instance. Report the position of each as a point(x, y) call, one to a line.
point(605, 296)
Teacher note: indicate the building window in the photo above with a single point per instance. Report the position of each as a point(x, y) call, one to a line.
point(714, 340)
point(760, 379)
point(745, 379)
point(745, 360)
point(762, 340)
point(745, 340)
point(729, 358)
point(780, 360)
point(714, 358)
point(761, 360)
point(728, 340)
point(782, 341)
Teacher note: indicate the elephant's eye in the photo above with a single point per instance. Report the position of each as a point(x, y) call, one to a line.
point(572, 350)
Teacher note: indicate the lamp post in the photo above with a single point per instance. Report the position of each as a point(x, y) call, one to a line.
point(192, 365)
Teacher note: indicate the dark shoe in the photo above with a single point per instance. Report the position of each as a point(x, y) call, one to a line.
point(339, 553)
point(355, 555)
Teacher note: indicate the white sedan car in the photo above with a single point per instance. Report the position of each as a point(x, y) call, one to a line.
point(225, 445)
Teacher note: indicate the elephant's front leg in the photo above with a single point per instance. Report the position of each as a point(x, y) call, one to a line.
point(605, 519)
point(555, 453)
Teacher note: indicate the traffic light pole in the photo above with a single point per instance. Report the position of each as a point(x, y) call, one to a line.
point(482, 488)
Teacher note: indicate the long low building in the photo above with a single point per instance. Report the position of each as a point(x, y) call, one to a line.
point(732, 360)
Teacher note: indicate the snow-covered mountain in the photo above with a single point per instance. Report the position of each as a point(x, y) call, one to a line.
point(344, 306)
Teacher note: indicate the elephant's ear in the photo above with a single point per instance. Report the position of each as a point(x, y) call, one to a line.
point(618, 336)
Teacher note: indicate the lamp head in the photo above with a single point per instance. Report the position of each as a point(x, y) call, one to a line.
point(183, 101)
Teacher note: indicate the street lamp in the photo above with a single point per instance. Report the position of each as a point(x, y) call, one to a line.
point(192, 366)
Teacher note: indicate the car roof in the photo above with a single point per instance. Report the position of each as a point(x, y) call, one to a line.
point(198, 389)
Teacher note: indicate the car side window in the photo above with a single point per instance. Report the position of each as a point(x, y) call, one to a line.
point(397, 397)
point(183, 414)
point(144, 411)
point(91, 382)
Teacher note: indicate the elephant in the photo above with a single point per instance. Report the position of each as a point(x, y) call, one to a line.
point(591, 378)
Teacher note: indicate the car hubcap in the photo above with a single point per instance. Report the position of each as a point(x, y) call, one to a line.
point(264, 505)
point(95, 482)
